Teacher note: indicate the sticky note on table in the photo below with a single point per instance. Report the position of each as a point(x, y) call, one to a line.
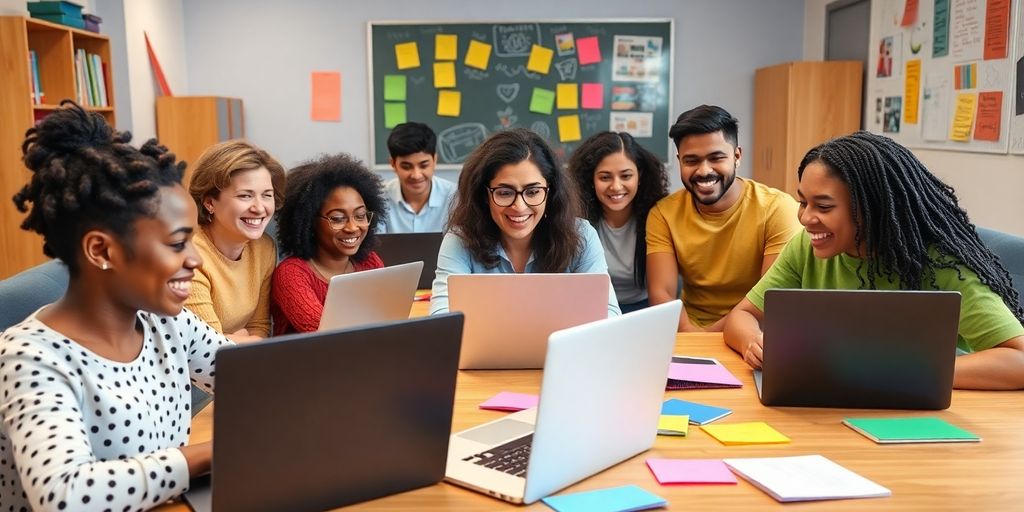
point(589, 50)
point(756, 432)
point(709, 373)
point(540, 59)
point(444, 74)
point(690, 471)
point(669, 425)
point(394, 87)
point(394, 114)
point(568, 96)
point(699, 414)
point(407, 55)
point(542, 101)
point(615, 499)
point(449, 103)
point(509, 401)
point(593, 96)
point(569, 128)
point(478, 54)
point(446, 46)
point(910, 430)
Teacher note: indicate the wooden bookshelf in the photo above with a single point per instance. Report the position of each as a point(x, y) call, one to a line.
point(55, 47)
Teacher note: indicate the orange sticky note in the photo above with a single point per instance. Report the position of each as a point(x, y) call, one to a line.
point(478, 54)
point(568, 96)
point(326, 104)
point(540, 59)
point(990, 113)
point(407, 55)
point(444, 75)
point(446, 46)
point(569, 128)
point(449, 103)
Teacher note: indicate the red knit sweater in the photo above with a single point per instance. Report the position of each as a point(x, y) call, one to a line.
point(298, 293)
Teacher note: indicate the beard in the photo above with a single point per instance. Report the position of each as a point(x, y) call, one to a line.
point(724, 182)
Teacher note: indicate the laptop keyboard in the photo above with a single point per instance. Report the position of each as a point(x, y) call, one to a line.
point(510, 457)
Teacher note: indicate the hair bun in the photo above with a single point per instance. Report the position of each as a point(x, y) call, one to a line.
point(66, 131)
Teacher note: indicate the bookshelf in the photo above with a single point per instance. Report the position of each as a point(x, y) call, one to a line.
point(55, 46)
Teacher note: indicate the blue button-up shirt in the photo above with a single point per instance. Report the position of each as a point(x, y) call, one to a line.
point(432, 217)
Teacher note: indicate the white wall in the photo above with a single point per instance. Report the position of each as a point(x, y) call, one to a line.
point(989, 186)
point(162, 20)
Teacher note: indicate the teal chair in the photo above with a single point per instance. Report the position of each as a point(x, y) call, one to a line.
point(1010, 250)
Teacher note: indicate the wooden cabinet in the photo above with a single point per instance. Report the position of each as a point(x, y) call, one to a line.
point(55, 47)
point(188, 125)
point(798, 105)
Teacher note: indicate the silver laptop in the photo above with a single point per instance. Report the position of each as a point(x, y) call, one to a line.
point(510, 316)
point(371, 296)
point(397, 248)
point(599, 405)
point(861, 349)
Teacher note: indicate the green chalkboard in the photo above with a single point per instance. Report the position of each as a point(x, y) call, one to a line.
point(609, 74)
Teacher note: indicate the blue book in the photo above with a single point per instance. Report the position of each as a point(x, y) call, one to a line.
point(616, 499)
point(699, 414)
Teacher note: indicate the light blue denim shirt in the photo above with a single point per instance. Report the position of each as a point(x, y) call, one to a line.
point(454, 258)
point(432, 217)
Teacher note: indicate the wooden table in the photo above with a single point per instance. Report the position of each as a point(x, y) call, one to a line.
point(955, 476)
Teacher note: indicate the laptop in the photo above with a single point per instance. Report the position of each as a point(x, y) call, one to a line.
point(859, 349)
point(600, 400)
point(397, 248)
point(510, 316)
point(370, 296)
point(321, 420)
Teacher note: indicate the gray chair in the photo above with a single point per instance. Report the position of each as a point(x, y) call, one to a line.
point(24, 293)
point(1010, 250)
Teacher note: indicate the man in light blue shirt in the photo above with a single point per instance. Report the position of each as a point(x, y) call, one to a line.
point(418, 201)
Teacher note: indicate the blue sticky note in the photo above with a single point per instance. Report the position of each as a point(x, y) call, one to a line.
point(699, 413)
point(615, 499)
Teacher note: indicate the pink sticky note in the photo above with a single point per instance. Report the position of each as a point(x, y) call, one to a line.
point(588, 50)
point(710, 373)
point(690, 471)
point(593, 96)
point(508, 401)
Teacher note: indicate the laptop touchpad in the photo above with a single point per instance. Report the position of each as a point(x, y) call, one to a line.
point(498, 431)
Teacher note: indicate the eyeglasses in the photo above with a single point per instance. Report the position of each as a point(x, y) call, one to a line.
point(339, 221)
point(506, 196)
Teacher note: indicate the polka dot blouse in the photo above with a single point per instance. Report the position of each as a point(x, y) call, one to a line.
point(81, 432)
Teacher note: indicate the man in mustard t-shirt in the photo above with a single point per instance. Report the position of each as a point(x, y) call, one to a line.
point(720, 233)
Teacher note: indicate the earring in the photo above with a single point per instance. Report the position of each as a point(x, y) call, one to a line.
point(104, 266)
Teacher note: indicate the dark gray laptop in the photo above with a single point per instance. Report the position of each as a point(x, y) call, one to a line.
point(318, 421)
point(862, 349)
point(397, 248)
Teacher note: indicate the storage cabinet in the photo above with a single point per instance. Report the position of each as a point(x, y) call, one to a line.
point(188, 125)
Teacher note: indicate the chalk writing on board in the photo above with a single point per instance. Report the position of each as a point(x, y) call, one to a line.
point(508, 92)
point(591, 122)
point(515, 40)
point(567, 69)
point(475, 74)
point(507, 118)
point(417, 80)
point(511, 72)
point(457, 142)
point(541, 128)
point(399, 36)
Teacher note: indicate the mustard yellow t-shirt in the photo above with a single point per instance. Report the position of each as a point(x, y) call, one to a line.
point(720, 254)
point(230, 295)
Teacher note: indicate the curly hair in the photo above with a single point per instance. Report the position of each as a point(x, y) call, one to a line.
point(309, 185)
point(555, 241)
point(652, 185)
point(86, 176)
point(907, 219)
point(221, 162)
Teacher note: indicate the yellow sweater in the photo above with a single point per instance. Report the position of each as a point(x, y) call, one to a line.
point(230, 295)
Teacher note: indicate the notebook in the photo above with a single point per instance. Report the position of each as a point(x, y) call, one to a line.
point(688, 369)
point(910, 430)
point(699, 414)
point(805, 478)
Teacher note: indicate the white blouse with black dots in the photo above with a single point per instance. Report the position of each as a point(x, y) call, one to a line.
point(81, 432)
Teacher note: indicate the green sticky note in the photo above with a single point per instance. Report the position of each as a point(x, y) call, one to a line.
point(910, 430)
point(394, 114)
point(394, 87)
point(542, 101)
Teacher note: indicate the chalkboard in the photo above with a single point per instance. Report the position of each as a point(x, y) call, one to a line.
point(564, 80)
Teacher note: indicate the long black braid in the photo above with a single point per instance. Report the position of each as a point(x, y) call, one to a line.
point(86, 176)
point(902, 211)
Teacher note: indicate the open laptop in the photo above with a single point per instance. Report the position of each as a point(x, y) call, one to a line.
point(600, 400)
point(397, 248)
point(510, 316)
point(370, 296)
point(859, 348)
point(321, 420)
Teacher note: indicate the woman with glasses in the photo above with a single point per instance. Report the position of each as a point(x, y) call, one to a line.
point(327, 227)
point(237, 188)
point(516, 212)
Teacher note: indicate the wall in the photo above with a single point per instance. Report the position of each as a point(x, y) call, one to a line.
point(164, 22)
point(989, 186)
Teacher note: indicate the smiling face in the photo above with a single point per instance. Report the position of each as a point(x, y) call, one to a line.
point(707, 166)
point(342, 202)
point(518, 221)
point(414, 174)
point(615, 182)
point(826, 212)
point(242, 210)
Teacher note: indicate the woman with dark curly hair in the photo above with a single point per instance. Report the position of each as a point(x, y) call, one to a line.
point(327, 227)
point(620, 181)
point(516, 212)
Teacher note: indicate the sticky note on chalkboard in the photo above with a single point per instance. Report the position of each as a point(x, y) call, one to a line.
point(569, 128)
point(568, 96)
point(444, 75)
point(394, 87)
point(446, 46)
point(478, 54)
point(407, 55)
point(394, 114)
point(588, 50)
point(449, 103)
point(593, 96)
point(540, 59)
point(542, 101)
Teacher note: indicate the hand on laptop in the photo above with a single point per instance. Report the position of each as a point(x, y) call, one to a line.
point(754, 352)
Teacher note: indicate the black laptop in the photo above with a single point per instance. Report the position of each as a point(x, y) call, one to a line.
point(322, 420)
point(397, 248)
point(861, 349)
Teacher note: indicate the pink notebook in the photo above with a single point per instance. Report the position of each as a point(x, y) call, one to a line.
point(699, 373)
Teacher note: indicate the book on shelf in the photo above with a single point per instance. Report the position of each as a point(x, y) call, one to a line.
point(90, 79)
point(37, 92)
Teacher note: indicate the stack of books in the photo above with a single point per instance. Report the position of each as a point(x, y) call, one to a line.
point(64, 12)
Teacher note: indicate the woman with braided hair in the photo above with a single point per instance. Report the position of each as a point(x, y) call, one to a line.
point(95, 389)
point(876, 218)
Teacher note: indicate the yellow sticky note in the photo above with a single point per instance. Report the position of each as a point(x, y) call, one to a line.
point(963, 117)
point(407, 55)
point(446, 46)
point(568, 96)
point(540, 59)
point(569, 128)
point(756, 432)
point(449, 103)
point(444, 75)
point(670, 425)
point(911, 91)
point(478, 54)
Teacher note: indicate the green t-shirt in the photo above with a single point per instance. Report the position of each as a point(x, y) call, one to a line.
point(985, 321)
